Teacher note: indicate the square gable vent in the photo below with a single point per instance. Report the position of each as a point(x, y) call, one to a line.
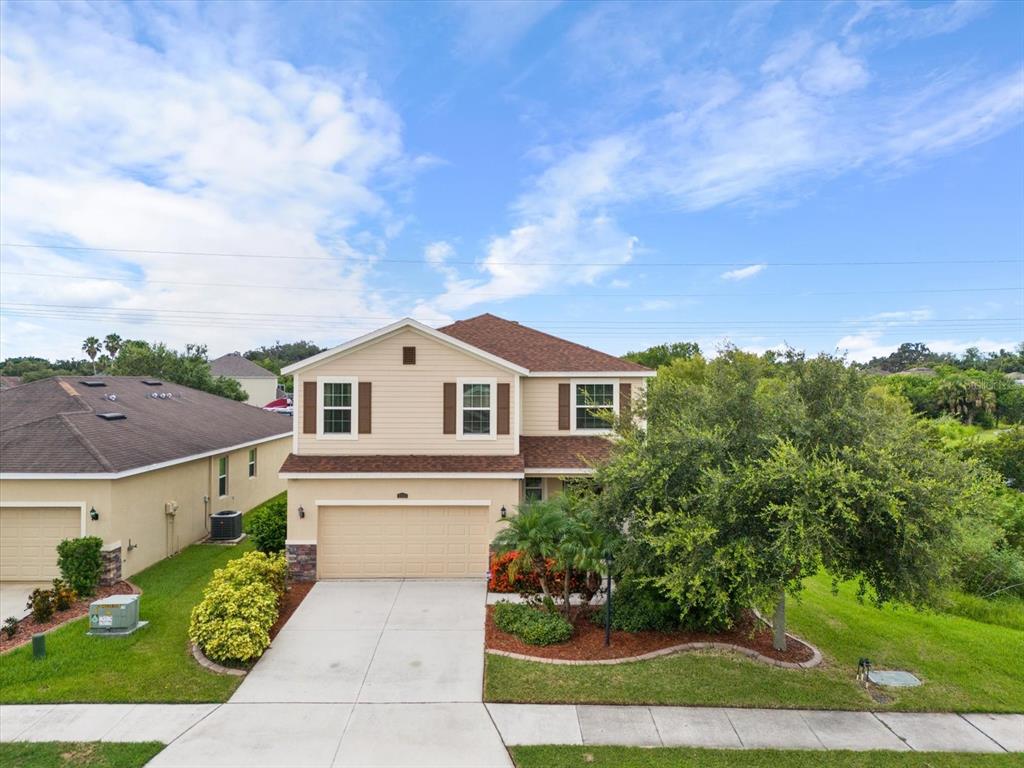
point(112, 416)
point(93, 383)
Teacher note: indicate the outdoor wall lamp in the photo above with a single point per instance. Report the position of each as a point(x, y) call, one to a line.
point(504, 512)
point(93, 514)
point(302, 512)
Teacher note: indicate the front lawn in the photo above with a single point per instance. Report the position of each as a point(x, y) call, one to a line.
point(676, 757)
point(90, 754)
point(967, 666)
point(152, 665)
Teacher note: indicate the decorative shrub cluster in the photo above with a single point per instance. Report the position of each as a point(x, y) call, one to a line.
point(268, 525)
point(638, 608)
point(531, 625)
point(528, 582)
point(45, 602)
point(81, 563)
point(10, 626)
point(239, 606)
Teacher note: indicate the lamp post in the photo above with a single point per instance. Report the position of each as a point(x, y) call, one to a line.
point(608, 560)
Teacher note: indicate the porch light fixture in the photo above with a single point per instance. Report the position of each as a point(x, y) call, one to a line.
point(93, 514)
point(504, 512)
point(302, 512)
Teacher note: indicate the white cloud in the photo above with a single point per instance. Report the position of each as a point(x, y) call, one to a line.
point(182, 144)
point(744, 272)
point(494, 27)
point(832, 72)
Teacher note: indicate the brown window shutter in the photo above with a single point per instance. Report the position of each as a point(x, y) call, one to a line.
point(625, 400)
point(365, 407)
point(408, 355)
point(504, 410)
point(309, 407)
point(449, 407)
point(563, 406)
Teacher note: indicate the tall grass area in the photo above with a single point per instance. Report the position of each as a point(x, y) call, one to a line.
point(1001, 611)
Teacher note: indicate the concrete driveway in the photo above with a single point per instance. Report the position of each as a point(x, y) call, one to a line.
point(14, 595)
point(365, 673)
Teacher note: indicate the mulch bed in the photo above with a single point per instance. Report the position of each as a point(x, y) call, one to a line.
point(587, 642)
point(29, 626)
point(295, 593)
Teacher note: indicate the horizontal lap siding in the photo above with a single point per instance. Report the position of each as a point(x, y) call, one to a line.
point(540, 403)
point(407, 399)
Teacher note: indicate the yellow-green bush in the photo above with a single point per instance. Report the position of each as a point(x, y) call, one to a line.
point(239, 606)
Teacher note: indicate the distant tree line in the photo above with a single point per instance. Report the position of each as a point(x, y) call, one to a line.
point(278, 355)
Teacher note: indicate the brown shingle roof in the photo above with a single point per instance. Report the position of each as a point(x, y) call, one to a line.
point(563, 452)
point(51, 426)
point(409, 463)
point(236, 366)
point(533, 349)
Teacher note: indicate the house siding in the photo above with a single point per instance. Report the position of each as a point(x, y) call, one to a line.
point(408, 406)
point(540, 402)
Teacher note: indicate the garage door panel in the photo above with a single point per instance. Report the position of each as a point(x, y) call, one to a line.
point(409, 542)
point(30, 536)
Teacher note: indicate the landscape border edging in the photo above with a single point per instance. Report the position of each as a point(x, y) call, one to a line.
point(203, 661)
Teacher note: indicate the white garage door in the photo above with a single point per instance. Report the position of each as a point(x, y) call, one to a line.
point(29, 537)
point(425, 542)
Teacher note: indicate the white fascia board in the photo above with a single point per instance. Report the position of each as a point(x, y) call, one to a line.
point(554, 472)
point(593, 374)
point(407, 322)
point(136, 470)
point(402, 502)
point(400, 475)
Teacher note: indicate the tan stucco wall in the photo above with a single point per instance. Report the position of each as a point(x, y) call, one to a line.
point(408, 400)
point(540, 402)
point(260, 390)
point(306, 493)
point(133, 508)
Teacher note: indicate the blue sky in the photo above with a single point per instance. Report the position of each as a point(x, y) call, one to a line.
point(840, 176)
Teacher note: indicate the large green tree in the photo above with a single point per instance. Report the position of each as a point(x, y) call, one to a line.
point(752, 474)
point(190, 369)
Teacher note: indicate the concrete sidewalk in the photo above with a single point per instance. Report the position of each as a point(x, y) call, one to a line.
point(518, 724)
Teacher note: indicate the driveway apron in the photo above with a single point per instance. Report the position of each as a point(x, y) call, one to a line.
point(365, 673)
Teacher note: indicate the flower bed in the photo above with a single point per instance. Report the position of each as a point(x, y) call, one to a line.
point(29, 626)
point(587, 642)
point(526, 581)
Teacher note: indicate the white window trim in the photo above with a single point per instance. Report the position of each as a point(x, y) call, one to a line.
point(543, 488)
point(573, 383)
point(320, 381)
point(493, 384)
point(227, 476)
point(252, 465)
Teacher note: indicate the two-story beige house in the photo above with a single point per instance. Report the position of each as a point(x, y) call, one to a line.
point(411, 444)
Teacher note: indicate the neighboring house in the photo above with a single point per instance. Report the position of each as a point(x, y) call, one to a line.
point(411, 444)
point(1016, 376)
point(138, 462)
point(259, 384)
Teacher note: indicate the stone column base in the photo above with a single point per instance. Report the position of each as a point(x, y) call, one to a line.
point(301, 561)
point(110, 571)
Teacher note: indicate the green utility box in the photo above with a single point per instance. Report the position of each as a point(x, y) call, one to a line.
point(115, 615)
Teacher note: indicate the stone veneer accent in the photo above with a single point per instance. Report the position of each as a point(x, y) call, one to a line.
point(110, 570)
point(301, 561)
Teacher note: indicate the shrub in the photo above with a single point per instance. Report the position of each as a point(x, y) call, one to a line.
point(528, 582)
point(80, 563)
point(63, 595)
point(232, 623)
point(40, 602)
point(268, 525)
point(10, 626)
point(531, 625)
point(637, 608)
point(255, 568)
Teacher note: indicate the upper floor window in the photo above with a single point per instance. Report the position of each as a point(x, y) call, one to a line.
point(252, 462)
point(476, 408)
point(593, 403)
point(222, 476)
point(337, 414)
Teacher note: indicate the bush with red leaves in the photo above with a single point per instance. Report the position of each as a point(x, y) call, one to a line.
point(527, 582)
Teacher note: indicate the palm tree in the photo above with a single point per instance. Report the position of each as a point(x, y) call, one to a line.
point(581, 549)
point(112, 343)
point(91, 347)
point(534, 535)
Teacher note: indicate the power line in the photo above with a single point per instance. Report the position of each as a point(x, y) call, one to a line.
point(471, 292)
point(219, 254)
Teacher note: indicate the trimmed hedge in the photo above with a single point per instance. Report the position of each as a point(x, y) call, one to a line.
point(638, 609)
point(81, 563)
point(531, 625)
point(268, 524)
point(240, 604)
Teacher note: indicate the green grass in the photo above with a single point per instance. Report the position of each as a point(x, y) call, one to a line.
point(1005, 611)
point(89, 754)
point(673, 757)
point(152, 665)
point(966, 666)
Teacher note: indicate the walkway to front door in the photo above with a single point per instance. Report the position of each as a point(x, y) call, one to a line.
point(365, 673)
